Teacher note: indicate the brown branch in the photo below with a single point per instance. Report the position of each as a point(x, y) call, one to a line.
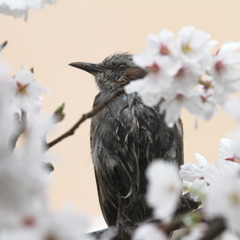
point(186, 205)
point(85, 116)
point(216, 227)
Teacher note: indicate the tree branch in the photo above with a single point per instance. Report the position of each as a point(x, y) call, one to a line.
point(85, 116)
point(186, 205)
point(216, 228)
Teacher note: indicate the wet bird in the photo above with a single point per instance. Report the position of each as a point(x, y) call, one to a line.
point(125, 137)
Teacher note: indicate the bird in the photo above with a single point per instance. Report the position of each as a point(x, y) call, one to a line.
point(125, 137)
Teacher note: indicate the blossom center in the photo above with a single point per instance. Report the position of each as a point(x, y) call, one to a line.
point(186, 48)
point(22, 88)
point(180, 73)
point(171, 188)
point(29, 221)
point(51, 236)
point(219, 66)
point(154, 68)
point(233, 159)
point(234, 198)
point(164, 50)
point(180, 97)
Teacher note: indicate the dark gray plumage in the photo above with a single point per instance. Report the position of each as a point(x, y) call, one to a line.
point(125, 137)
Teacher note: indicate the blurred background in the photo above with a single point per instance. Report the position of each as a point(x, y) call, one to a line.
point(77, 30)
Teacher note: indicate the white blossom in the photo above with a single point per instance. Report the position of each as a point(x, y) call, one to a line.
point(226, 62)
point(35, 143)
point(22, 189)
point(65, 225)
point(196, 174)
point(190, 172)
point(19, 8)
point(186, 77)
point(228, 235)
point(163, 44)
point(224, 201)
point(225, 70)
point(203, 176)
point(183, 73)
point(232, 107)
point(194, 45)
point(228, 151)
point(149, 232)
point(164, 188)
point(175, 102)
point(161, 53)
point(196, 232)
point(7, 124)
point(151, 89)
point(26, 91)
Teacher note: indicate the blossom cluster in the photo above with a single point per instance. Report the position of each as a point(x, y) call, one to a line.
point(215, 186)
point(185, 72)
point(19, 8)
point(24, 177)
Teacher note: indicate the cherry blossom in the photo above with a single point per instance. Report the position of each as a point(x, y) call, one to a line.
point(21, 187)
point(204, 175)
point(224, 201)
point(228, 235)
point(194, 45)
point(149, 232)
point(65, 225)
point(34, 144)
point(173, 105)
point(196, 232)
point(228, 151)
point(225, 70)
point(7, 124)
point(26, 91)
point(183, 73)
point(19, 8)
point(164, 188)
point(196, 174)
point(232, 107)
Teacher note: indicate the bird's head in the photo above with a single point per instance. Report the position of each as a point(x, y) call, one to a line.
point(114, 71)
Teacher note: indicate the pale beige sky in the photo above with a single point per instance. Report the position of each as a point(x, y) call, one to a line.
point(77, 30)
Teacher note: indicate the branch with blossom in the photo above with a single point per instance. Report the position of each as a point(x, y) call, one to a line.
point(184, 72)
point(24, 209)
point(86, 116)
point(20, 8)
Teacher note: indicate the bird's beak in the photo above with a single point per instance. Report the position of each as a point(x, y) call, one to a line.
point(88, 67)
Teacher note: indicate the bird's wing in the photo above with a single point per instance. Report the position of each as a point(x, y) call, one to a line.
point(108, 205)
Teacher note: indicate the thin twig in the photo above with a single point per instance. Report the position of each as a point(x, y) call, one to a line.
point(21, 122)
point(85, 116)
point(3, 45)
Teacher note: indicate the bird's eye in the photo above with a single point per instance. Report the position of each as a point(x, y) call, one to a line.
point(122, 67)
